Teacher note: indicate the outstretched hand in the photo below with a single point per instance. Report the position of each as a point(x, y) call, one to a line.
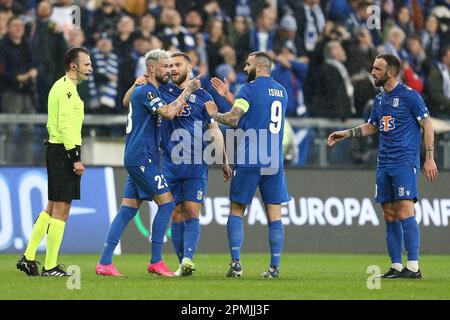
point(222, 88)
point(195, 83)
point(336, 136)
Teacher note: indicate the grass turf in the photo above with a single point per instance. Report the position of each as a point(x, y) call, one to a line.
point(303, 276)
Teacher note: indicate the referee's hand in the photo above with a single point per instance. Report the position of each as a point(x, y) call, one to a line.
point(78, 168)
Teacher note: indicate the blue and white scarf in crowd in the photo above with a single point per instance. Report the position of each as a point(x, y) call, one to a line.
point(107, 65)
point(445, 78)
point(312, 31)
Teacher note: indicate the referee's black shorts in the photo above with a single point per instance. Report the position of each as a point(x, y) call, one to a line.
point(63, 183)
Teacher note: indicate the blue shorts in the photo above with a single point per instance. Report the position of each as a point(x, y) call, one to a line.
point(144, 182)
point(396, 183)
point(246, 179)
point(188, 182)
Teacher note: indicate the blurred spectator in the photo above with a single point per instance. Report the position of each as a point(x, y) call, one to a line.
point(394, 43)
point(4, 17)
point(143, 46)
point(175, 35)
point(361, 53)
point(404, 21)
point(49, 42)
point(105, 20)
point(291, 74)
point(431, 40)
point(213, 10)
point(417, 56)
point(239, 39)
point(311, 23)
point(286, 35)
point(18, 79)
point(14, 7)
point(264, 31)
point(333, 90)
point(194, 23)
point(147, 25)
point(214, 43)
point(439, 86)
point(106, 63)
point(123, 41)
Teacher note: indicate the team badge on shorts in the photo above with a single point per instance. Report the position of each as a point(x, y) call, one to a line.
point(401, 191)
point(396, 101)
point(199, 194)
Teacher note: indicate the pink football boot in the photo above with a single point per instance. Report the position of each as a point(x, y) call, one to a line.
point(107, 270)
point(160, 269)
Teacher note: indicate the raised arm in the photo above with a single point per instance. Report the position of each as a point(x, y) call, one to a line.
point(139, 81)
point(363, 130)
point(429, 166)
point(223, 88)
point(230, 118)
point(169, 111)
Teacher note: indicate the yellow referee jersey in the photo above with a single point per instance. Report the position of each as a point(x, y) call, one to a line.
point(65, 114)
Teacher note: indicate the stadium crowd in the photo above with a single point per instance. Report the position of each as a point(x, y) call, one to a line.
point(323, 50)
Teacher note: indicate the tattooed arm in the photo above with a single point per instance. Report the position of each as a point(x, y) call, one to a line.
point(363, 130)
point(169, 111)
point(230, 118)
point(429, 166)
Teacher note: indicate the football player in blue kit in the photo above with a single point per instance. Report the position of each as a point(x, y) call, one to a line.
point(398, 114)
point(141, 160)
point(258, 110)
point(184, 167)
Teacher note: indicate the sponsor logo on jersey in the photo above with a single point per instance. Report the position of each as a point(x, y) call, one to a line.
point(387, 123)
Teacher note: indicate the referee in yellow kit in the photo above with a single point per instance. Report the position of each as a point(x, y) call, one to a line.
point(64, 166)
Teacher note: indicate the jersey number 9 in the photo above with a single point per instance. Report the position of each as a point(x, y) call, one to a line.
point(275, 117)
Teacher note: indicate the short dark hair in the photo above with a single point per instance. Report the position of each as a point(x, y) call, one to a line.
point(14, 17)
point(71, 56)
point(262, 58)
point(392, 62)
point(182, 54)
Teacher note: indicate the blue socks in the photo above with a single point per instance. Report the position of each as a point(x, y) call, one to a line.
point(116, 229)
point(177, 238)
point(191, 237)
point(159, 226)
point(235, 232)
point(276, 238)
point(411, 235)
point(394, 240)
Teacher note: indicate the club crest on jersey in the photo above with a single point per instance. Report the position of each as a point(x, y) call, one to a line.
point(396, 101)
point(192, 98)
point(387, 123)
point(199, 194)
point(401, 191)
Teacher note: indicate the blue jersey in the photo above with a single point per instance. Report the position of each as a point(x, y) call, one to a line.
point(192, 120)
point(397, 114)
point(143, 136)
point(266, 102)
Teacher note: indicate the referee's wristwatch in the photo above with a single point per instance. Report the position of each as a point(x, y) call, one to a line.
point(74, 154)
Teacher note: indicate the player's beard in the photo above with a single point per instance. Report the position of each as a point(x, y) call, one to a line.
point(381, 82)
point(180, 78)
point(251, 75)
point(160, 78)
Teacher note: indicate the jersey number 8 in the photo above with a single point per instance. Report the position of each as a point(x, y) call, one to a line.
point(129, 120)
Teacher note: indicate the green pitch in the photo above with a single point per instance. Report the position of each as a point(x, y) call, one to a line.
point(303, 276)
